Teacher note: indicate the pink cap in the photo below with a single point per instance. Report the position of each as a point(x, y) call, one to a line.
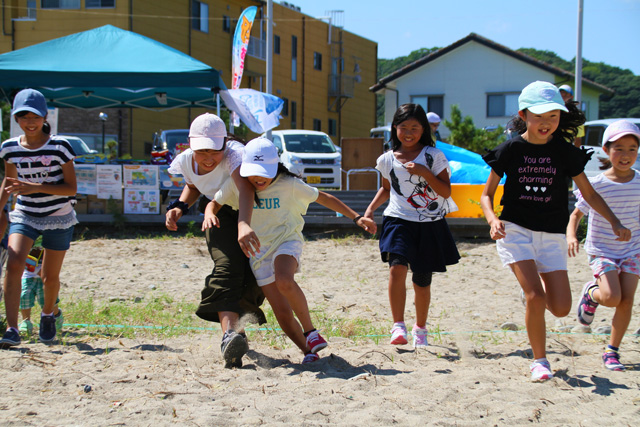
point(617, 130)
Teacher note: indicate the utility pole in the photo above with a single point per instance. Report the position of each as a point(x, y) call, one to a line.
point(578, 83)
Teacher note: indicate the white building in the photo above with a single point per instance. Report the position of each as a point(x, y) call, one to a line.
point(482, 77)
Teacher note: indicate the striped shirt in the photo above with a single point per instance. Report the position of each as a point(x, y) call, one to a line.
point(43, 166)
point(624, 200)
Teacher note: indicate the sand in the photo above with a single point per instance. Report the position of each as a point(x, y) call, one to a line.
point(473, 373)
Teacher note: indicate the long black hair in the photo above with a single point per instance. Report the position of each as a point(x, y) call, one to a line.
point(282, 169)
point(406, 112)
point(567, 128)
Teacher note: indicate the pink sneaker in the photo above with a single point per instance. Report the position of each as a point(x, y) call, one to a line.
point(310, 358)
point(315, 342)
point(398, 334)
point(541, 371)
point(419, 337)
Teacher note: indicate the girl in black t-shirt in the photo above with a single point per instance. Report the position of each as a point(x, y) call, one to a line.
point(530, 233)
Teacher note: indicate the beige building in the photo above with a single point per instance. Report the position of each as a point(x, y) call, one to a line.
point(321, 71)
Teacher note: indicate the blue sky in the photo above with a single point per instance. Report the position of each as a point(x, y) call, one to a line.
point(611, 28)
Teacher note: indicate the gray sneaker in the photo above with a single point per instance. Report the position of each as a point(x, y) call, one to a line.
point(233, 347)
point(9, 339)
point(47, 328)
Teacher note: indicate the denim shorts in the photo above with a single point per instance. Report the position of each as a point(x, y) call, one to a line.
point(547, 250)
point(58, 239)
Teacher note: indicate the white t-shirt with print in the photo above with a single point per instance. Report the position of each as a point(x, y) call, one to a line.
point(411, 198)
point(209, 183)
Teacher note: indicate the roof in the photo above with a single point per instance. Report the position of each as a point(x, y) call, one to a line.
point(473, 37)
point(609, 121)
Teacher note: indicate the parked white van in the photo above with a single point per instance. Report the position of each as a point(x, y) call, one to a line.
point(310, 154)
point(593, 131)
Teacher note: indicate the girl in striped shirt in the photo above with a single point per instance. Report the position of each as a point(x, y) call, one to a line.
point(615, 264)
point(39, 171)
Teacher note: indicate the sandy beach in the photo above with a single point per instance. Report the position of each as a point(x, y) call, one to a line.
point(473, 372)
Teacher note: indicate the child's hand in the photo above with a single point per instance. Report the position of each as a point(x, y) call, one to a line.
point(415, 168)
point(173, 215)
point(16, 186)
point(497, 229)
point(210, 221)
point(248, 240)
point(367, 224)
point(573, 246)
point(623, 233)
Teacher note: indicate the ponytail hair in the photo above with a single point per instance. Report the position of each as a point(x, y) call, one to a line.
point(46, 128)
point(567, 128)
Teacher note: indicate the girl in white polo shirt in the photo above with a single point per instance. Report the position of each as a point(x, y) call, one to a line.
point(615, 264)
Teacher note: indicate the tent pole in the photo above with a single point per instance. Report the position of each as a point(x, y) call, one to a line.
point(269, 62)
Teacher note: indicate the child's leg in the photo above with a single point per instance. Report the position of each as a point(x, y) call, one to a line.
point(622, 316)
point(422, 297)
point(51, 266)
point(285, 267)
point(608, 292)
point(398, 291)
point(527, 274)
point(557, 292)
point(26, 313)
point(19, 247)
point(284, 314)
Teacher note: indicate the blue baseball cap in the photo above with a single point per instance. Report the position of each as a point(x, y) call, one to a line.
point(30, 100)
point(541, 97)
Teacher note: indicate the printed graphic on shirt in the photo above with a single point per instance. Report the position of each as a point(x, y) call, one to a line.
point(268, 203)
point(34, 169)
point(537, 175)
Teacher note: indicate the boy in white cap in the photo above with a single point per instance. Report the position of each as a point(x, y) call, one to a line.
point(230, 290)
point(615, 264)
point(434, 124)
point(530, 233)
point(281, 200)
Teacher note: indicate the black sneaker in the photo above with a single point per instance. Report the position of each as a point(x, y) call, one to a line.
point(47, 328)
point(233, 347)
point(9, 339)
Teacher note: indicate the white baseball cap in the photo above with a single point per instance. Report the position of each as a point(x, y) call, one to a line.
point(260, 158)
point(207, 132)
point(541, 97)
point(618, 129)
point(567, 89)
point(433, 117)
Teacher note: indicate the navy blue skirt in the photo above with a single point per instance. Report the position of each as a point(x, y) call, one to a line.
point(429, 246)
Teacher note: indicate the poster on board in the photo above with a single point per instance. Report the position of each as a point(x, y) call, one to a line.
point(140, 201)
point(109, 182)
point(86, 179)
point(140, 176)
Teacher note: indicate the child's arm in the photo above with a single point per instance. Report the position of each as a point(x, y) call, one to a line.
point(10, 171)
point(486, 202)
point(210, 218)
point(189, 196)
point(247, 238)
point(440, 183)
point(67, 188)
point(381, 196)
point(572, 238)
point(598, 204)
point(335, 204)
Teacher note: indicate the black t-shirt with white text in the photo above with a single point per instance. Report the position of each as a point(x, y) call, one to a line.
point(535, 192)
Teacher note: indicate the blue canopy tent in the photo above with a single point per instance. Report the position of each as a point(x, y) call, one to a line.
point(108, 67)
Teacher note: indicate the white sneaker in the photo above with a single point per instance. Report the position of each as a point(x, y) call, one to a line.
point(541, 371)
point(398, 334)
point(419, 337)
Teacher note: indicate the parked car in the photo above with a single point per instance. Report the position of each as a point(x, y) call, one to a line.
point(383, 132)
point(167, 144)
point(593, 131)
point(80, 148)
point(310, 154)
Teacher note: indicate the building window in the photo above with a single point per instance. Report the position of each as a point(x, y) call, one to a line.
point(276, 45)
point(200, 18)
point(430, 103)
point(294, 114)
point(502, 104)
point(31, 9)
point(332, 127)
point(317, 125)
point(294, 58)
point(285, 108)
point(226, 24)
point(100, 4)
point(317, 61)
point(60, 4)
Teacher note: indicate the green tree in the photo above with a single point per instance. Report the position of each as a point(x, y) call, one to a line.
point(464, 133)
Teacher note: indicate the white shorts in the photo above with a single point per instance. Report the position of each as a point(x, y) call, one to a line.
point(265, 273)
point(547, 250)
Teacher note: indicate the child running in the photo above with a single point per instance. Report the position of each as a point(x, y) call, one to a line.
point(530, 233)
point(281, 200)
point(615, 264)
point(39, 170)
point(414, 233)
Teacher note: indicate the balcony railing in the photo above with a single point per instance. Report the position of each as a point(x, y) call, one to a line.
point(341, 85)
